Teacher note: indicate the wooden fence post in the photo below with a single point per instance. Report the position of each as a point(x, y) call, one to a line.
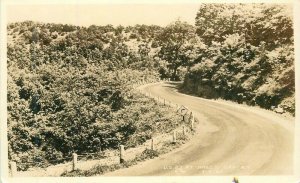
point(74, 163)
point(192, 121)
point(183, 130)
point(122, 154)
point(185, 118)
point(152, 144)
point(174, 137)
point(13, 168)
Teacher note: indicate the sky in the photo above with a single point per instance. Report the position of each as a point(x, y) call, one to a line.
point(103, 14)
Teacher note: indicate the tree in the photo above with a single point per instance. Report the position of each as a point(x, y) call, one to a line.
point(213, 21)
point(175, 44)
point(249, 56)
point(256, 22)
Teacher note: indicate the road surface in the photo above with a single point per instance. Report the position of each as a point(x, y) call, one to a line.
point(231, 139)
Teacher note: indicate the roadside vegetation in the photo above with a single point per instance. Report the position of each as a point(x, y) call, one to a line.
point(248, 55)
point(70, 88)
point(68, 92)
point(167, 146)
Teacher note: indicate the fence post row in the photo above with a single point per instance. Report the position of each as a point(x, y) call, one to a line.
point(191, 118)
point(185, 117)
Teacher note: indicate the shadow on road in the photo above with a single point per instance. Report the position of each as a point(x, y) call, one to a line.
point(173, 85)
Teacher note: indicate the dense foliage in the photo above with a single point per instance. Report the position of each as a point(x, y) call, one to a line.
point(69, 87)
point(249, 56)
point(70, 90)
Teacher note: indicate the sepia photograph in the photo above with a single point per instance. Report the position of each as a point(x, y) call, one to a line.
point(114, 90)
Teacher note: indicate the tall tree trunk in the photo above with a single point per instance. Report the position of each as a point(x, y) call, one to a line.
point(174, 74)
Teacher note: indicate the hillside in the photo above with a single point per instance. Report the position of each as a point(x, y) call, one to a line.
point(70, 87)
point(249, 55)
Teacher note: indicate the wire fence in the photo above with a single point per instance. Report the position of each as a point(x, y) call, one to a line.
point(188, 126)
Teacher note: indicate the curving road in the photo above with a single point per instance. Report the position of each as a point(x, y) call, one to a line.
point(231, 139)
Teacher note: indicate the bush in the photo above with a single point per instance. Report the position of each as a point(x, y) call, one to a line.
point(148, 154)
point(53, 114)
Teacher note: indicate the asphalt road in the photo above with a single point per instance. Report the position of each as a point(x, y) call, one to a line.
point(231, 139)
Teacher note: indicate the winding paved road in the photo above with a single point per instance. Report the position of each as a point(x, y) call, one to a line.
point(232, 139)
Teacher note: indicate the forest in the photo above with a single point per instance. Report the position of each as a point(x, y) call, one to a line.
point(70, 87)
point(249, 55)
